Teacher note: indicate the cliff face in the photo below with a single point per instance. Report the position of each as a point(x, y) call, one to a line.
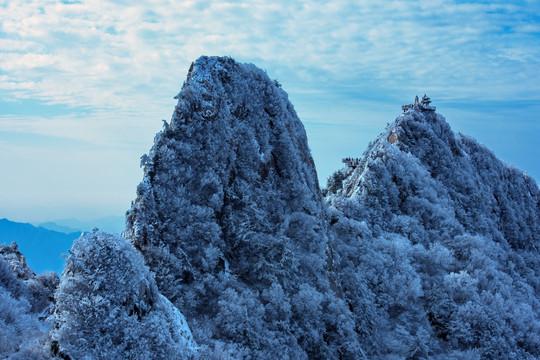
point(230, 217)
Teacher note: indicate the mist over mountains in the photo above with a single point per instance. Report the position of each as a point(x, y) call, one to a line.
point(425, 247)
point(111, 224)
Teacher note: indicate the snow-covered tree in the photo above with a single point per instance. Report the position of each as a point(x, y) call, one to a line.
point(25, 306)
point(108, 306)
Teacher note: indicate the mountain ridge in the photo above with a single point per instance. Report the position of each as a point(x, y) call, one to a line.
point(110, 223)
point(426, 247)
point(445, 215)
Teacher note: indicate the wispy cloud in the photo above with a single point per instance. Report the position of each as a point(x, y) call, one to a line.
point(101, 53)
point(115, 65)
point(94, 129)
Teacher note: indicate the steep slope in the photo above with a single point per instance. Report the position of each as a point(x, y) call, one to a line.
point(445, 236)
point(230, 218)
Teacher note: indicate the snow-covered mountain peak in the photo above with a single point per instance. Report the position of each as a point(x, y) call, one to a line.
point(418, 156)
point(415, 127)
point(233, 130)
point(452, 228)
point(230, 206)
point(204, 67)
point(426, 247)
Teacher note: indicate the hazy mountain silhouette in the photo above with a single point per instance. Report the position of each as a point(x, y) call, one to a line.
point(42, 248)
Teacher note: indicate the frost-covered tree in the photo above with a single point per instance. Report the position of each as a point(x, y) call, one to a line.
point(108, 306)
point(25, 306)
point(230, 218)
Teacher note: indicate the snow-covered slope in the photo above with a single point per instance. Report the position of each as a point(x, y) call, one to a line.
point(445, 237)
point(230, 217)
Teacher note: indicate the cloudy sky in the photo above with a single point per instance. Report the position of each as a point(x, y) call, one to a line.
point(85, 84)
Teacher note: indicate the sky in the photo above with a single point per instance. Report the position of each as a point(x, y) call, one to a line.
point(84, 85)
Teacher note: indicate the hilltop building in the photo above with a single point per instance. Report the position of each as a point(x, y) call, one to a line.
point(422, 105)
point(351, 163)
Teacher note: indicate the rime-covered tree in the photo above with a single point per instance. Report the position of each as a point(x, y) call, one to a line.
point(108, 306)
point(25, 306)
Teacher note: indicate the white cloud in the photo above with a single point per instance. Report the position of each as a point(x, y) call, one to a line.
point(126, 131)
point(117, 64)
point(95, 53)
point(23, 62)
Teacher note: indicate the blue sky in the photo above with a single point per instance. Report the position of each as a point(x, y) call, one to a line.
point(84, 84)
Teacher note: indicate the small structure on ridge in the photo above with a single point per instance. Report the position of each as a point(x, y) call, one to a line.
point(423, 105)
point(352, 163)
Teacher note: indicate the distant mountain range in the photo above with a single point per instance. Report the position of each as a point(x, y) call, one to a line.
point(44, 243)
point(112, 224)
point(42, 247)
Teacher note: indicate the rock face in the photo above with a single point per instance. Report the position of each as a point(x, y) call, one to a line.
point(445, 237)
point(231, 219)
